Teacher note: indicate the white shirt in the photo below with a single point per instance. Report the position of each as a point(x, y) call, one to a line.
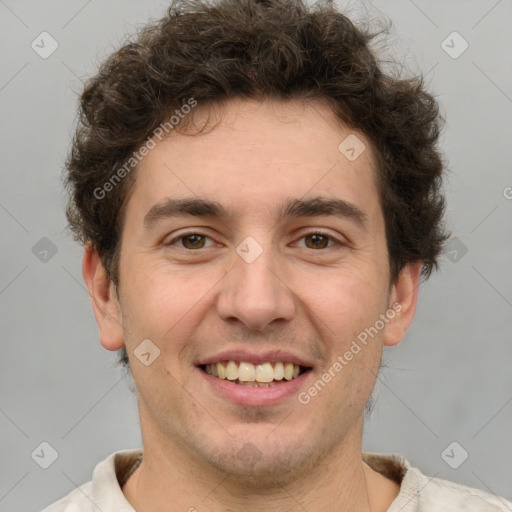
point(418, 492)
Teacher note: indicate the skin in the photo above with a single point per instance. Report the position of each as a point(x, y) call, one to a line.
point(310, 301)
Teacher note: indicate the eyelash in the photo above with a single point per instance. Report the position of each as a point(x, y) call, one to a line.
point(315, 232)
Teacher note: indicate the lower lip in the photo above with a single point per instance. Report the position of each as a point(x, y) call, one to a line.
point(255, 396)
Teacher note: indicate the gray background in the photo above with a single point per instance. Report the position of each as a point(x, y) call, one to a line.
point(450, 380)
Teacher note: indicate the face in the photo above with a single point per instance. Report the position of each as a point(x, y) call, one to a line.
point(257, 242)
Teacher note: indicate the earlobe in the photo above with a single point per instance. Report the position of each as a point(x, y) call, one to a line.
point(104, 300)
point(403, 301)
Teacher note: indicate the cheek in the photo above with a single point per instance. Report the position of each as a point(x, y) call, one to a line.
point(166, 305)
point(345, 300)
point(342, 313)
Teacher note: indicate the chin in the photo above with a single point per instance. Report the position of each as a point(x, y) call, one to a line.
point(264, 459)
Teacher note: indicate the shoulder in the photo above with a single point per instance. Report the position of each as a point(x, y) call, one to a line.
point(419, 492)
point(103, 493)
point(437, 493)
point(468, 498)
point(80, 499)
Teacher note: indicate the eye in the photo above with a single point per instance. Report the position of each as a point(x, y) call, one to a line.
point(191, 241)
point(318, 240)
point(194, 241)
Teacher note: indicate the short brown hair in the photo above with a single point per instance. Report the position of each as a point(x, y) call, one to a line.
point(285, 49)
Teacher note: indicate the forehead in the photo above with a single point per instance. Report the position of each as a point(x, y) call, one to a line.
point(254, 156)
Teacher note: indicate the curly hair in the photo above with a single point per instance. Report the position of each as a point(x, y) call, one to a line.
point(286, 49)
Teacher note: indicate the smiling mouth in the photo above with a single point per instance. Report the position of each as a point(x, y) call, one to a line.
point(254, 375)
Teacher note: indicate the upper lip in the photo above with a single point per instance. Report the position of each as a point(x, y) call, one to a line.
point(260, 357)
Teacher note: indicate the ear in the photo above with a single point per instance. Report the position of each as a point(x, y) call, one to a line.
point(403, 299)
point(104, 300)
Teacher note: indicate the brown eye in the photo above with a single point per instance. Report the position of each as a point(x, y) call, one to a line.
point(316, 241)
point(193, 241)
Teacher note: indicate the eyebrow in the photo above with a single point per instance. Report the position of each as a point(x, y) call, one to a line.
point(204, 208)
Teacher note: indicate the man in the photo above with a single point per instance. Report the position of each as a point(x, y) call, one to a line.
point(258, 202)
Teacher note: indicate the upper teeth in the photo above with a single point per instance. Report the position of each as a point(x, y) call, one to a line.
point(248, 372)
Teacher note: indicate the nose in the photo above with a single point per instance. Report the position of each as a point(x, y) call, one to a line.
point(255, 293)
